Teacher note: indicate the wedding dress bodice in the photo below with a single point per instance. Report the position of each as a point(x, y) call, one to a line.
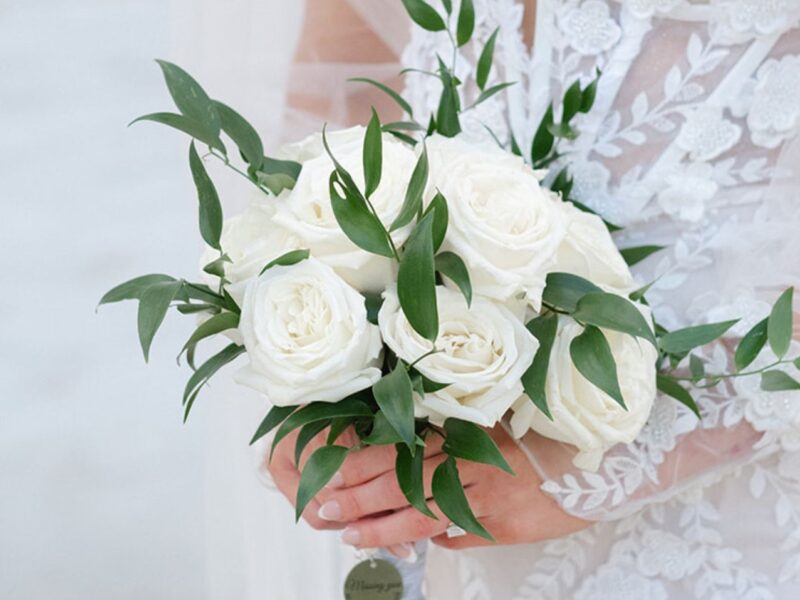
point(690, 144)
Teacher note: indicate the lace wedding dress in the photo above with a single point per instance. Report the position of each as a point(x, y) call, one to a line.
point(691, 144)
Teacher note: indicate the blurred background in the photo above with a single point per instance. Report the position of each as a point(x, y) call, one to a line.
point(103, 492)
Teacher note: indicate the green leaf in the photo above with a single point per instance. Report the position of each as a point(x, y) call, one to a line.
point(448, 492)
point(572, 101)
point(447, 121)
point(562, 130)
point(544, 329)
point(191, 309)
point(638, 253)
point(134, 288)
point(217, 266)
point(351, 406)
point(778, 381)
point(416, 187)
point(210, 208)
point(408, 469)
point(357, 221)
point(373, 303)
point(543, 140)
point(416, 280)
point(402, 126)
point(338, 426)
point(448, 6)
point(242, 133)
point(320, 468)
point(751, 345)
point(675, 390)
point(466, 22)
point(451, 266)
point(401, 102)
point(588, 96)
point(216, 324)
point(187, 126)
point(201, 376)
point(485, 61)
point(441, 215)
point(424, 15)
point(779, 324)
point(292, 257)
point(696, 367)
point(382, 432)
point(470, 442)
point(307, 433)
point(617, 313)
point(275, 416)
point(153, 306)
point(372, 155)
point(189, 97)
point(563, 290)
point(562, 183)
point(486, 94)
point(682, 341)
point(592, 356)
point(395, 398)
point(273, 166)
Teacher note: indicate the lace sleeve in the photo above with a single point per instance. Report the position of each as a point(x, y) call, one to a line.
point(691, 145)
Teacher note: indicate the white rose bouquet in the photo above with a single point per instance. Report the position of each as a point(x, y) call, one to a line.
point(398, 280)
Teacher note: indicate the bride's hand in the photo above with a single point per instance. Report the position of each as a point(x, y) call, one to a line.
point(511, 507)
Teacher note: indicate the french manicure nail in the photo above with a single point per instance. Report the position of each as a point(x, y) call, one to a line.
point(351, 536)
point(336, 481)
point(330, 511)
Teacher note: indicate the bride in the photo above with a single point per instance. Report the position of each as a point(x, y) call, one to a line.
point(691, 144)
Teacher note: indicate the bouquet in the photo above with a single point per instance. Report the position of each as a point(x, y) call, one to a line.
point(400, 281)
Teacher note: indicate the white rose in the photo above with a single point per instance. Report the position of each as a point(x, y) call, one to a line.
point(483, 353)
point(589, 251)
point(307, 336)
point(583, 415)
point(308, 214)
point(502, 223)
point(250, 239)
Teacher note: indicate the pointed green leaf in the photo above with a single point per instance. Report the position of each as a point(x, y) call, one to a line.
point(544, 329)
point(684, 340)
point(201, 376)
point(751, 345)
point(210, 207)
point(275, 416)
point(495, 89)
point(451, 266)
point(466, 22)
point(563, 290)
point(424, 15)
point(189, 97)
point(318, 471)
point(609, 311)
point(543, 140)
point(217, 266)
point(416, 187)
point(448, 6)
point(408, 469)
point(447, 121)
point(214, 325)
point(470, 442)
point(134, 288)
point(273, 166)
point(448, 492)
point(373, 303)
point(441, 215)
point(485, 61)
point(153, 306)
point(356, 220)
point(382, 432)
point(778, 381)
point(638, 253)
point(779, 324)
point(696, 367)
point(395, 398)
point(372, 155)
point(588, 95)
point(187, 126)
point(675, 390)
point(572, 101)
point(592, 356)
point(416, 280)
point(242, 133)
point(307, 433)
point(401, 102)
point(292, 257)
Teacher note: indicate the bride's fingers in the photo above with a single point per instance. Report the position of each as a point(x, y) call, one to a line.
point(377, 495)
point(372, 461)
point(406, 525)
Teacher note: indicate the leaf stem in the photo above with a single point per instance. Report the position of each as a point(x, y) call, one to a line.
point(433, 350)
point(717, 377)
point(226, 161)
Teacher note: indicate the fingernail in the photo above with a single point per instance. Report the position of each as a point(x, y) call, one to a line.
point(404, 552)
point(351, 536)
point(330, 511)
point(336, 481)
